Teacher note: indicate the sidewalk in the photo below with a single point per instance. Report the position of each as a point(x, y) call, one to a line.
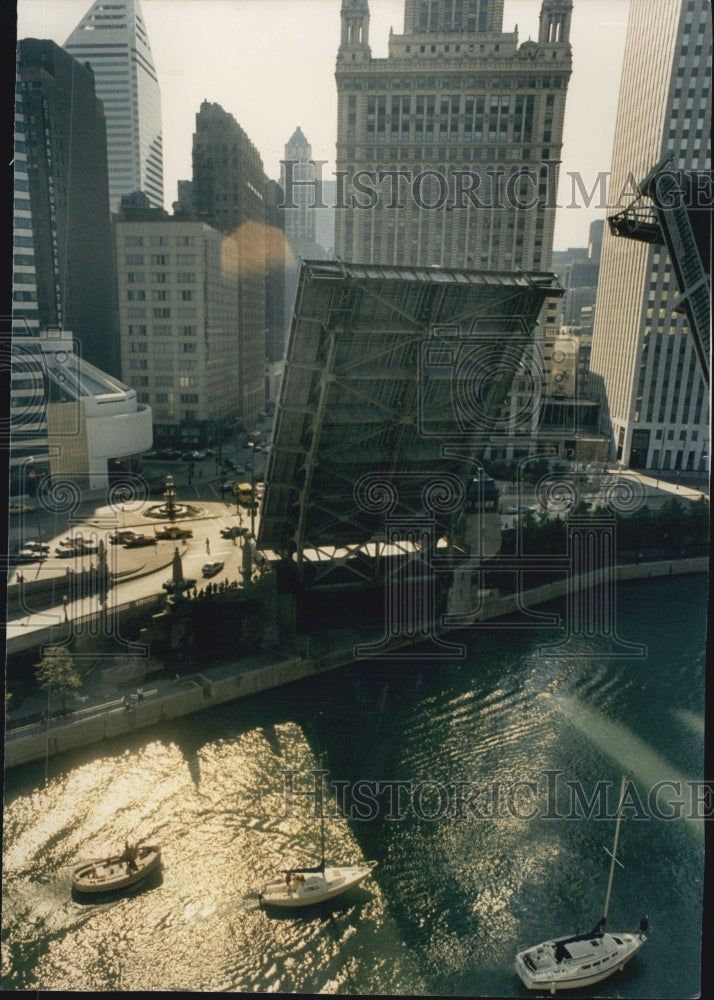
point(686, 486)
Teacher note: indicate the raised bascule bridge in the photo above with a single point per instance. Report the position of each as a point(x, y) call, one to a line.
point(673, 209)
point(394, 381)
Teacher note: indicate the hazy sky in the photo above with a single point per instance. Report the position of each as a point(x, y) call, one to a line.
point(270, 63)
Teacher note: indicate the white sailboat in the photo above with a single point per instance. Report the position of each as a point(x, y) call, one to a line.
point(297, 887)
point(578, 960)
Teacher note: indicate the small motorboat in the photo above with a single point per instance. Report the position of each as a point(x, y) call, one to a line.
point(567, 963)
point(306, 886)
point(117, 871)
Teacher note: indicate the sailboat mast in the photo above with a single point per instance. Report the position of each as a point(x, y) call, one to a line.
point(614, 848)
point(322, 831)
point(322, 817)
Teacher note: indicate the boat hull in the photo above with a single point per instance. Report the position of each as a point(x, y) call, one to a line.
point(587, 960)
point(308, 888)
point(112, 873)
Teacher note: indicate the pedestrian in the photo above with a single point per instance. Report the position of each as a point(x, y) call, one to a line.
point(208, 547)
point(140, 694)
point(234, 540)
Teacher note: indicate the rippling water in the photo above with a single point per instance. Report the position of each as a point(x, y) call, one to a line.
point(457, 888)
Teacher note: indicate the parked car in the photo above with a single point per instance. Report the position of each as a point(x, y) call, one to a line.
point(211, 568)
point(139, 541)
point(36, 545)
point(29, 556)
point(119, 537)
point(64, 551)
point(21, 508)
point(173, 531)
point(233, 532)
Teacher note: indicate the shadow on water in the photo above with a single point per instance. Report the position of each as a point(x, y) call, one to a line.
point(154, 880)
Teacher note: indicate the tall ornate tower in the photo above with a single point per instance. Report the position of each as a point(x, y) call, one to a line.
point(555, 21)
point(354, 40)
point(448, 149)
point(466, 16)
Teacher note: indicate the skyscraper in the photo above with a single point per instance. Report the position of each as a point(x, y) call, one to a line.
point(112, 38)
point(228, 191)
point(179, 309)
point(448, 149)
point(300, 220)
point(69, 419)
point(275, 275)
point(644, 365)
point(65, 200)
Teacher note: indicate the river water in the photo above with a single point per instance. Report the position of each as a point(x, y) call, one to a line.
point(510, 760)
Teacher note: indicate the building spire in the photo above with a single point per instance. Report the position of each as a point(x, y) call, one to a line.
point(555, 21)
point(355, 26)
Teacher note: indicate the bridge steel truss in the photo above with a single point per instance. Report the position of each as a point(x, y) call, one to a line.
point(393, 382)
point(674, 209)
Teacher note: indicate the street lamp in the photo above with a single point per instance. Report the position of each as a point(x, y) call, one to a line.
point(252, 489)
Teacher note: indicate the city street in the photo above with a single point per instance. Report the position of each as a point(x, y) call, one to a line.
point(137, 572)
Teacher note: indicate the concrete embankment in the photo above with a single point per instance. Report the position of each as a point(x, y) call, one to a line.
point(240, 680)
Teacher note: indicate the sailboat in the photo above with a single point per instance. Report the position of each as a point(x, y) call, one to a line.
point(297, 887)
point(568, 963)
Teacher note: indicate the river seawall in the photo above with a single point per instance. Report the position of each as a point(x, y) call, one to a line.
point(248, 677)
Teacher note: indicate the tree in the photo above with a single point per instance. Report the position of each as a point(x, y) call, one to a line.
point(56, 670)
